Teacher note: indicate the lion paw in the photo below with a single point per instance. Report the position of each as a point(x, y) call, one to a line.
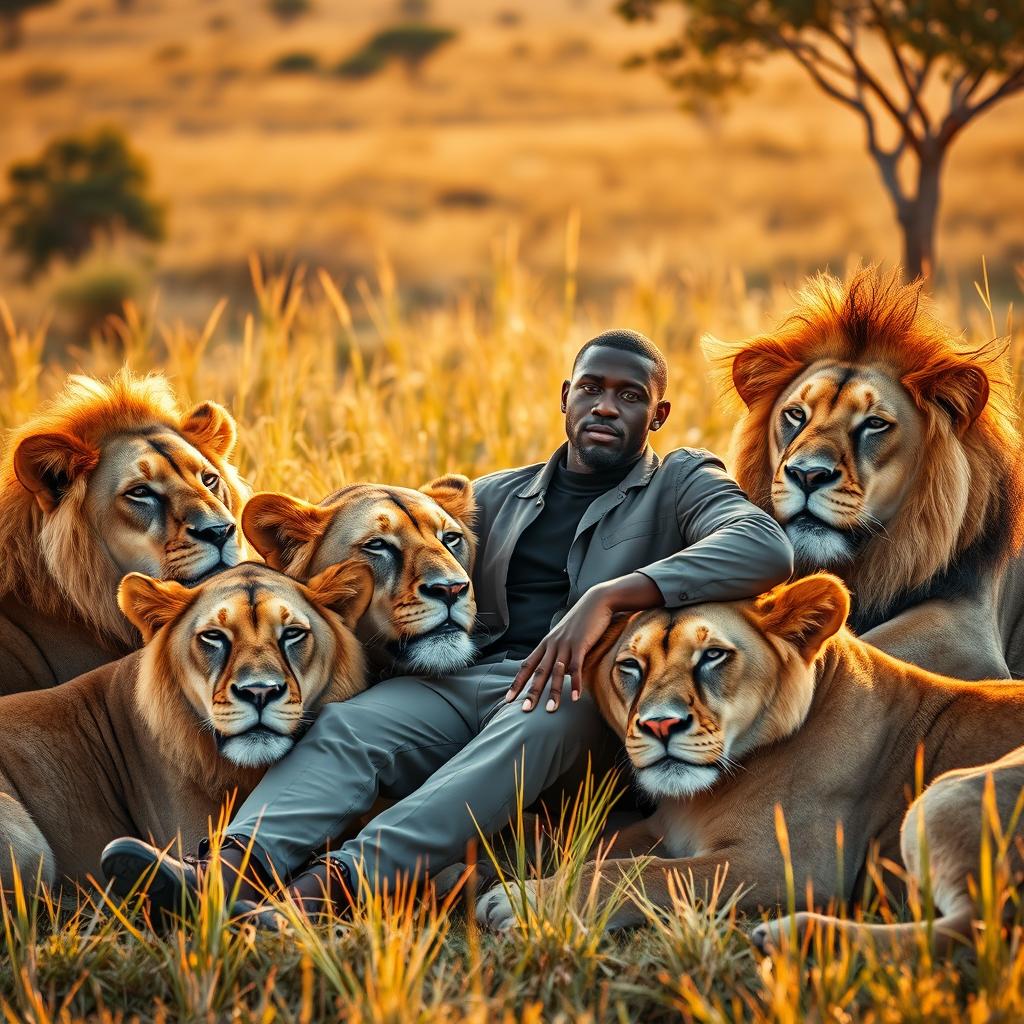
point(500, 910)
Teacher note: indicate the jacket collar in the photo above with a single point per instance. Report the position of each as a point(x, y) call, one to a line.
point(639, 476)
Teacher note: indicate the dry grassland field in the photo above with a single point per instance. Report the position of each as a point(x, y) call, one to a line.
point(387, 280)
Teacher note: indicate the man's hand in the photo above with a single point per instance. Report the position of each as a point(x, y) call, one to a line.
point(562, 652)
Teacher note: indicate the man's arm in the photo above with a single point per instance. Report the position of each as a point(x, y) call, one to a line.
point(734, 550)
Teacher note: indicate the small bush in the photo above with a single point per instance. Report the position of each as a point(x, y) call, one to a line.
point(289, 10)
point(410, 44)
point(40, 81)
point(97, 289)
point(296, 62)
point(361, 64)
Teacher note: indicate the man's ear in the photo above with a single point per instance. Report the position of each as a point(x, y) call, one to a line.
point(565, 394)
point(608, 644)
point(150, 604)
point(345, 588)
point(454, 493)
point(211, 428)
point(805, 613)
point(48, 464)
point(278, 525)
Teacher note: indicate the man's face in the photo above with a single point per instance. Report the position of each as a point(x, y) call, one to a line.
point(610, 404)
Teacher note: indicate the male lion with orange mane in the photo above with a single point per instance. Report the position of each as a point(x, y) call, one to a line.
point(892, 456)
point(111, 478)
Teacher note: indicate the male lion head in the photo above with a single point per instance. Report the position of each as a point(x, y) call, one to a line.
point(890, 454)
point(692, 690)
point(419, 546)
point(238, 666)
point(113, 478)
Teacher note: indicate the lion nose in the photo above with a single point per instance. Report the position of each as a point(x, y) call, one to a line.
point(218, 536)
point(813, 478)
point(448, 592)
point(663, 728)
point(259, 694)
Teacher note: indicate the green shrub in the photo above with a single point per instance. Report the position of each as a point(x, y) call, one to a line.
point(361, 64)
point(410, 44)
point(296, 62)
point(288, 10)
point(97, 289)
point(81, 188)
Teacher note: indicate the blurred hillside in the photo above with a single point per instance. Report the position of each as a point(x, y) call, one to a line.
point(525, 117)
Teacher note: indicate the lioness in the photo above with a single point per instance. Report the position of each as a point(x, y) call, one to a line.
point(112, 478)
point(892, 455)
point(419, 546)
point(729, 710)
point(231, 673)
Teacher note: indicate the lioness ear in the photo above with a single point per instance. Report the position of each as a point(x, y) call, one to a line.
point(210, 427)
point(47, 464)
point(149, 604)
point(608, 643)
point(277, 525)
point(345, 588)
point(760, 370)
point(806, 612)
point(454, 493)
point(962, 390)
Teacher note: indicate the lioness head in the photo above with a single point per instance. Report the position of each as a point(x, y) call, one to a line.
point(246, 658)
point(690, 691)
point(885, 449)
point(419, 546)
point(112, 478)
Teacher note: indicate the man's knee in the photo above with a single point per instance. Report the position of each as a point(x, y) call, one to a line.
point(576, 724)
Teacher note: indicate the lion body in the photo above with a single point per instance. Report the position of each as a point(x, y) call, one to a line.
point(69, 531)
point(793, 695)
point(893, 457)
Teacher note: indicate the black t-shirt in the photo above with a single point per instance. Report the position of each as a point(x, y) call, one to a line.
point(538, 583)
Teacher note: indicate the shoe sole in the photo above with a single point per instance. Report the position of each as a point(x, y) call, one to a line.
point(124, 864)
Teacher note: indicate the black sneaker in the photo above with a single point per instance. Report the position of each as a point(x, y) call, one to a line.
point(129, 864)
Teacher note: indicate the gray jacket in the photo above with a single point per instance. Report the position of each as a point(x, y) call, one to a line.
point(682, 521)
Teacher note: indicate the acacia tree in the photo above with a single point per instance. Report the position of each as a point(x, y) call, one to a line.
point(916, 72)
point(10, 20)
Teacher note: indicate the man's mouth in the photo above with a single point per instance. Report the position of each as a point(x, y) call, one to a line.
point(601, 433)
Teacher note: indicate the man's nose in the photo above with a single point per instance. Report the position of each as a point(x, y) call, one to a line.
point(604, 405)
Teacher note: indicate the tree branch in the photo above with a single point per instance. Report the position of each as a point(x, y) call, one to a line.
point(913, 90)
point(962, 114)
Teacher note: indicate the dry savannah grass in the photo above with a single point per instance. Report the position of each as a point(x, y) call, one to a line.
point(470, 386)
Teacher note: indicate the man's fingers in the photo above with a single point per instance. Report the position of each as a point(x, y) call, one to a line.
point(524, 672)
point(575, 677)
point(538, 681)
point(557, 678)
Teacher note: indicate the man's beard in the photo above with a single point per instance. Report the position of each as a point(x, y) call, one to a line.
point(600, 458)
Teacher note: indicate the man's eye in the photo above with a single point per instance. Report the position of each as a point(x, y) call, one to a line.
point(795, 416)
point(213, 637)
point(140, 492)
point(210, 480)
point(631, 396)
point(293, 633)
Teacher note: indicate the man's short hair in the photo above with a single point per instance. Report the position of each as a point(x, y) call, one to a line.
point(631, 341)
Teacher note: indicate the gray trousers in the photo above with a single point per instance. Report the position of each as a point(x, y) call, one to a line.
point(442, 748)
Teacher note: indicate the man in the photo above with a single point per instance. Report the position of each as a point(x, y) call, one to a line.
point(602, 527)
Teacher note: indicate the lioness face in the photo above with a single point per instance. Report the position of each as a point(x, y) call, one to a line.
point(846, 445)
point(162, 508)
point(692, 690)
point(418, 546)
point(254, 652)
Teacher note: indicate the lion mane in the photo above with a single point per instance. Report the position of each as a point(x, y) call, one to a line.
point(965, 515)
point(53, 564)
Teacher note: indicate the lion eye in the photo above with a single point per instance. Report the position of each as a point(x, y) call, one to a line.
point(631, 669)
point(376, 544)
point(210, 480)
point(877, 424)
point(451, 538)
point(140, 492)
point(714, 655)
point(795, 416)
point(293, 633)
point(213, 637)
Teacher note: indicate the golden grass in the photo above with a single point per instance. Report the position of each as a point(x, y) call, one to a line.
point(330, 385)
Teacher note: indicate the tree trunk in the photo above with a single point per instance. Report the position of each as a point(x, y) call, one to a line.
point(10, 30)
point(919, 215)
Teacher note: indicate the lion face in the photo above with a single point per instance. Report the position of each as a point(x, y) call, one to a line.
point(846, 447)
point(690, 691)
point(253, 652)
point(418, 546)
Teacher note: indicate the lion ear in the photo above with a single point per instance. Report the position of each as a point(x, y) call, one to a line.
point(805, 613)
point(760, 370)
point(454, 493)
point(345, 588)
point(962, 390)
point(277, 525)
point(606, 645)
point(47, 465)
point(211, 428)
point(150, 604)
